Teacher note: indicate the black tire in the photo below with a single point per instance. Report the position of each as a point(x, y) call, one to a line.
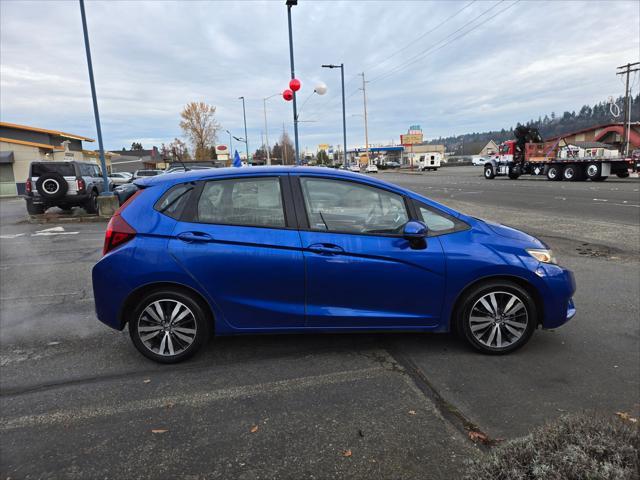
point(572, 173)
point(35, 209)
point(489, 174)
point(202, 324)
point(554, 174)
point(52, 186)
point(503, 291)
point(91, 204)
point(593, 171)
point(623, 175)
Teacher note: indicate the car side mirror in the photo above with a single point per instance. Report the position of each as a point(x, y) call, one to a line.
point(416, 233)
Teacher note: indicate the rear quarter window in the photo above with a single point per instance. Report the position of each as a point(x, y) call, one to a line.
point(174, 200)
point(64, 169)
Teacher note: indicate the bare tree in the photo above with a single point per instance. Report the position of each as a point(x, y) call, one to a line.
point(178, 150)
point(200, 127)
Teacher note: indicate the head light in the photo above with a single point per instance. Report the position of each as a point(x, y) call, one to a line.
point(542, 255)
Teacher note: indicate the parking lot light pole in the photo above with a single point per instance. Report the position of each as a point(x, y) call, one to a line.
point(246, 138)
point(344, 114)
point(87, 48)
point(292, 3)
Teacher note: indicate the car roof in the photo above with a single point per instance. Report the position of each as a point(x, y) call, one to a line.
point(194, 175)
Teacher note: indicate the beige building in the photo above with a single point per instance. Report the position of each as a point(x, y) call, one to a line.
point(20, 145)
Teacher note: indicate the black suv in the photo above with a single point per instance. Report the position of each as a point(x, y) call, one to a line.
point(64, 185)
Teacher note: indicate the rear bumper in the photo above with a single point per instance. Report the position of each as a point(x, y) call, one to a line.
point(73, 199)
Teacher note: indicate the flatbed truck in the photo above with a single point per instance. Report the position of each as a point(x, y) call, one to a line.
point(530, 155)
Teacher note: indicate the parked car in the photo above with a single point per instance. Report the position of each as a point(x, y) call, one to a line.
point(182, 169)
point(64, 185)
point(392, 164)
point(354, 167)
point(146, 173)
point(260, 250)
point(479, 161)
point(120, 177)
point(371, 168)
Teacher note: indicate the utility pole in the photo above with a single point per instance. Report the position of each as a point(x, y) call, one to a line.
point(627, 103)
point(366, 128)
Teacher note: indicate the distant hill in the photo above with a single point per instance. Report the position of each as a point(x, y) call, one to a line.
point(549, 126)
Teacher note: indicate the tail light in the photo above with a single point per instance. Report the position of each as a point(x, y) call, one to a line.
point(28, 188)
point(118, 230)
point(80, 184)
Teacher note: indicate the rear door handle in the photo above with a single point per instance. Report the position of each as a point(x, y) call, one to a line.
point(195, 237)
point(326, 248)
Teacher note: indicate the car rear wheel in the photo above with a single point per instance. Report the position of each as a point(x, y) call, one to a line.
point(35, 208)
point(497, 317)
point(91, 205)
point(168, 326)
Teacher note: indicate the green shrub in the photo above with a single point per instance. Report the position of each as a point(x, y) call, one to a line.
point(576, 447)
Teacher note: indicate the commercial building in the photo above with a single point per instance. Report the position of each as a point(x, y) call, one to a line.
point(610, 133)
point(21, 144)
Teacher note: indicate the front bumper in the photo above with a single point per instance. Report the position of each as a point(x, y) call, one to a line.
point(560, 286)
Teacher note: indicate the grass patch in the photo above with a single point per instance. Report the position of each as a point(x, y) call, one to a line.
point(576, 447)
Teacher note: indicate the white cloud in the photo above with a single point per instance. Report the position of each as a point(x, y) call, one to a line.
point(151, 58)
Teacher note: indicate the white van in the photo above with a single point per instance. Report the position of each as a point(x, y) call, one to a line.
point(429, 161)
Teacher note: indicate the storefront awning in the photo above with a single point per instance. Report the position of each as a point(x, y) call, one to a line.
point(6, 157)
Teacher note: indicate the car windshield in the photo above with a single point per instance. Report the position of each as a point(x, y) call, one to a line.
point(65, 169)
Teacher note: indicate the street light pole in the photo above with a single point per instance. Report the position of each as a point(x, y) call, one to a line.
point(344, 114)
point(96, 114)
point(291, 3)
point(230, 144)
point(366, 128)
point(246, 138)
point(266, 128)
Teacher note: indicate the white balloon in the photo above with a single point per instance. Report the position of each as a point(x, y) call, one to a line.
point(320, 89)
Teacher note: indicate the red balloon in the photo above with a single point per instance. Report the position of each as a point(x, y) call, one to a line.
point(295, 84)
point(287, 95)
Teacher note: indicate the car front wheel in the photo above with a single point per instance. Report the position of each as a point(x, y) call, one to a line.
point(168, 326)
point(497, 317)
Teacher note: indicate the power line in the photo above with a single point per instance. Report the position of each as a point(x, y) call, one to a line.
point(402, 49)
point(447, 40)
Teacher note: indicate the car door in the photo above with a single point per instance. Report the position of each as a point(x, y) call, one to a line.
point(240, 243)
point(360, 271)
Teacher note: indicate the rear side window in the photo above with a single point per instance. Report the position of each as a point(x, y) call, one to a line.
point(64, 169)
point(173, 202)
point(249, 201)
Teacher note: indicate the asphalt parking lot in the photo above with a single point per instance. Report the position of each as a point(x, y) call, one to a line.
point(77, 401)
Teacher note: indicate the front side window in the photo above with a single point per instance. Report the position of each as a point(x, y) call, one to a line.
point(348, 207)
point(248, 201)
point(439, 223)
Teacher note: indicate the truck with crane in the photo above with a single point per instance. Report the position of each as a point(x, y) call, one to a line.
point(529, 154)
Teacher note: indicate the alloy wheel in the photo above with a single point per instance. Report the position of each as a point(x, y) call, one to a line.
point(498, 319)
point(167, 327)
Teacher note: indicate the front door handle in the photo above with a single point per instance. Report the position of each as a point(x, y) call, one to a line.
point(325, 248)
point(195, 237)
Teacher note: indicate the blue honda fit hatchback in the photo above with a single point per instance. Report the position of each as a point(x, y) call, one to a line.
point(295, 249)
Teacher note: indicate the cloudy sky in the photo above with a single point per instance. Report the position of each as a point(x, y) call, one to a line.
point(450, 66)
